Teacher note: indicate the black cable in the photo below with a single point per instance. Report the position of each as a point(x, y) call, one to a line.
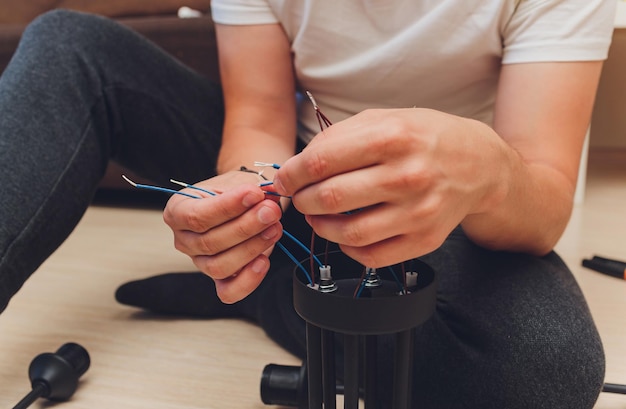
point(614, 388)
point(55, 375)
point(37, 392)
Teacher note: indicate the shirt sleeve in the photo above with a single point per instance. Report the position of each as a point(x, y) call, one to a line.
point(242, 12)
point(556, 30)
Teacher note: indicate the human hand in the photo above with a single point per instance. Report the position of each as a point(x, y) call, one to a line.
point(414, 175)
point(229, 236)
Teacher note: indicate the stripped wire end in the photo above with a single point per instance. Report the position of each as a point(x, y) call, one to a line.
point(321, 118)
point(187, 185)
point(315, 106)
point(157, 188)
point(267, 165)
point(180, 183)
point(129, 181)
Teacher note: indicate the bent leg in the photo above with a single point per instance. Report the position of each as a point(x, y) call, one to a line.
point(510, 331)
point(79, 90)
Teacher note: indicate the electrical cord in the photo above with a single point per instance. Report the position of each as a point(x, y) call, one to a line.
point(614, 388)
point(37, 392)
point(55, 375)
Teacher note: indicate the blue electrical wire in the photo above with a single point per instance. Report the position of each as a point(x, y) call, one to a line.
point(185, 184)
point(362, 286)
point(397, 280)
point(296, 262)
point(299, 243)
point(160, 189)
point(280, 245)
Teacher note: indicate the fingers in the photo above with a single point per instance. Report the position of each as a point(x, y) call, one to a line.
point(323, 183)
point(228, 236)
point(337, 154)
point(224, 234)
point(387, 233)
point(183, 214)
point(225, 264)
point(354, 190)
point(379, 241)
point(364, 140)
point(391, 251)
point(240, 285)
point(230, 233)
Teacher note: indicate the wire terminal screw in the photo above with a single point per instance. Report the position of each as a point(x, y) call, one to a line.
point(373, 279)
point(327, 284)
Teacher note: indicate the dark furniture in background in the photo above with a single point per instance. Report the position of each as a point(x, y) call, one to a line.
point(191, 40)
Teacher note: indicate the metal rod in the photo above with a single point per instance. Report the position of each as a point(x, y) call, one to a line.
point(402, 370)
point(371, 368)
point(314, 365)
point(351, 372)
point(328, 369)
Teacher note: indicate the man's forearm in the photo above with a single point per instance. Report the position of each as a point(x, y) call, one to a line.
point(532, 215)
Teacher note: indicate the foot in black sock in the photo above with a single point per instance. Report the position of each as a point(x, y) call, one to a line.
point(191, 294)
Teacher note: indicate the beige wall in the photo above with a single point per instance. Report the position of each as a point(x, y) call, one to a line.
point(608, 126)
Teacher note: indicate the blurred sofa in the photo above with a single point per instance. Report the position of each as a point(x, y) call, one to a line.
point(191, 40)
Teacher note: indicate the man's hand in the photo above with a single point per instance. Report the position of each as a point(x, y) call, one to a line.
point(228, 236)
point(406, 178)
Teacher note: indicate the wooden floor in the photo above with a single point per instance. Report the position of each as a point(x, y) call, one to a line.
point(145, 361)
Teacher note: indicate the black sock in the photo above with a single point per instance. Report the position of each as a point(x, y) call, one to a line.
point(189, 293)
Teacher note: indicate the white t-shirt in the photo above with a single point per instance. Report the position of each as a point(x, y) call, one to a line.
point(439, 54)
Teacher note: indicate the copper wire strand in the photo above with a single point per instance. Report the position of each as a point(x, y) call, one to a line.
point(323, 122)
point(326, 252)
point(312, 250)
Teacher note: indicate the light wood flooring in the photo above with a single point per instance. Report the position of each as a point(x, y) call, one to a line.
point(145, 361)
